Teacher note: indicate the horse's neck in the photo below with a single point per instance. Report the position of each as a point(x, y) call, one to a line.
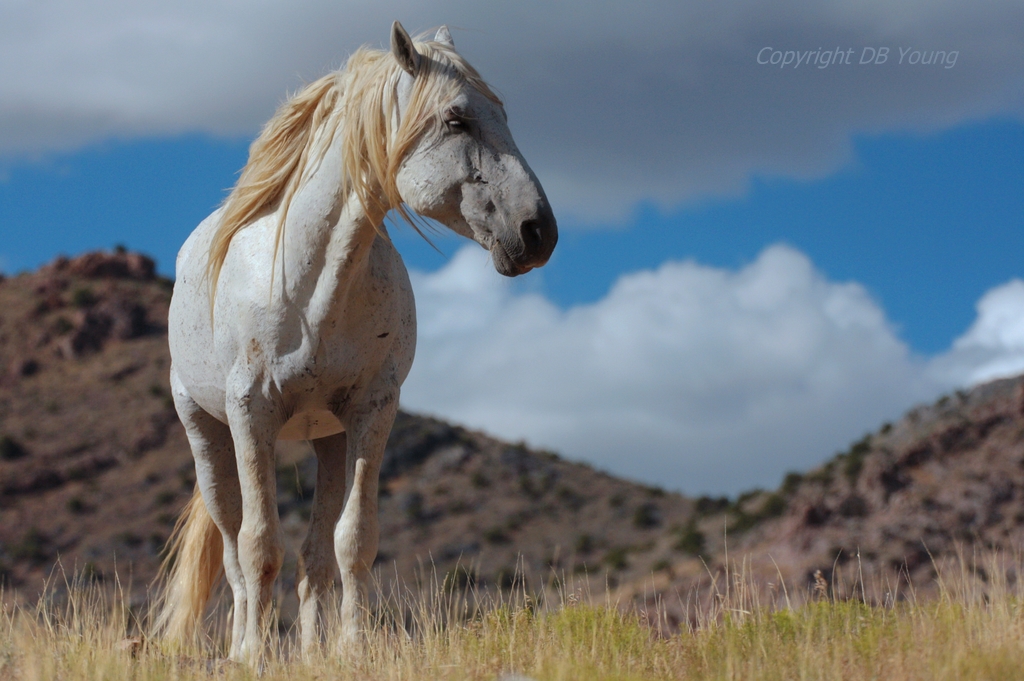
point(327, 240)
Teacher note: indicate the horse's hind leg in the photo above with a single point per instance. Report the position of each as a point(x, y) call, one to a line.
point(316, 562)
point(357, 535)
point(217, 478)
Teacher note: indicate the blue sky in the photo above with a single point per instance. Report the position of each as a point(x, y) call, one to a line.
point(757, 263)
point(927, 223)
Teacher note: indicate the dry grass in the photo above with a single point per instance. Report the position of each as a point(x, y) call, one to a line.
point(973, 629)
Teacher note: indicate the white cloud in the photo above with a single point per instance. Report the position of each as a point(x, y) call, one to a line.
point(660, 100)
point(993, 347)
point(692, 377)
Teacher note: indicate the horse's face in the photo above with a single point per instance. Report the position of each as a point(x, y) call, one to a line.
point(467, 174)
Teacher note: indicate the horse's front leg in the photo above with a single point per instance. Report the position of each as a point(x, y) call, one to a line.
point(357, 534)
point(253, 416)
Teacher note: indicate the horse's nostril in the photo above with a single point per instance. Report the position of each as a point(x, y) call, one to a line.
point(532, 232)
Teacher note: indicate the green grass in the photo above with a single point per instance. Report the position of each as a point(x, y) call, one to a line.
point(970, 630)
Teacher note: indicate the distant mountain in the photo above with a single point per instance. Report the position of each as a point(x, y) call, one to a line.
point(94, 468)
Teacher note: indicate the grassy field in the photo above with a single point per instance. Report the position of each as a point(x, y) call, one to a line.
point(972, 629)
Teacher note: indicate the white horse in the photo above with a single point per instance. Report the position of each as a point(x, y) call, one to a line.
point(293, 317)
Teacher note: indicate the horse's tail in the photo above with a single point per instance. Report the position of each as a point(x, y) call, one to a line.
point(189, 572)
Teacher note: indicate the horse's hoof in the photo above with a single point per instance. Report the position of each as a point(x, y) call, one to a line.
point(132, 645)
point(351, 646)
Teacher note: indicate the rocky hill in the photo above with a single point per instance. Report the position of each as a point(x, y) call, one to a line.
point(947, 478)
point(94, 468)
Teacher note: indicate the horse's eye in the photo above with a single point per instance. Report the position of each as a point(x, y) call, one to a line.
point(455, 119)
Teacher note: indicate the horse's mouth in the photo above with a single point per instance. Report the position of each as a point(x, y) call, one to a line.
point(504, 264)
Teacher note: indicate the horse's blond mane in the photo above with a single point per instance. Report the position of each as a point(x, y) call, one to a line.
point(358, 101)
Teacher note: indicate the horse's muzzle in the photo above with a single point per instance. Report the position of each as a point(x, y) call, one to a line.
point(536, 241)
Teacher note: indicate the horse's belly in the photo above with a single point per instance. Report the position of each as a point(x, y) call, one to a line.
point(310, 425)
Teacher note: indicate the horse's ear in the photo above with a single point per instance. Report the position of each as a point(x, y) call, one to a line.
point(444, 36)
point(403, 49)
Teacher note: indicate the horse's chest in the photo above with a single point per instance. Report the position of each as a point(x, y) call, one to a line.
point(344, 360)
point(322, 384)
